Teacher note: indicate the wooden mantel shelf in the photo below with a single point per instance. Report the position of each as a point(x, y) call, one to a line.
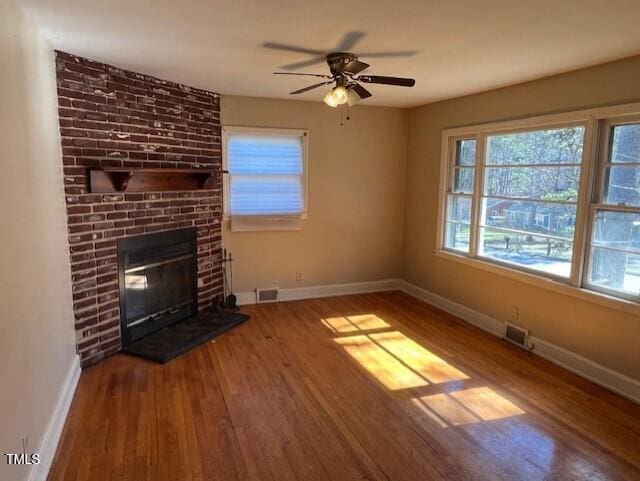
point(119, 179)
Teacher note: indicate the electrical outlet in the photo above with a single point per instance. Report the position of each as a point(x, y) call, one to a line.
point(299, 276)
point(515, 313)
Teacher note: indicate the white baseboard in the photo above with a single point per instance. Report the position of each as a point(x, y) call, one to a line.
point(298, 293)
point(51, 437)
point(328, 290)
point(311, 292)
point(484, 322)
point(244, 298)
point(590, 370)
point(586, 368)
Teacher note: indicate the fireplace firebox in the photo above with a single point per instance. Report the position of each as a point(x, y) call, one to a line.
point(157, 281)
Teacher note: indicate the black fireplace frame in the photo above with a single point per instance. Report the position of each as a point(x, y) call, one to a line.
point(154, 241)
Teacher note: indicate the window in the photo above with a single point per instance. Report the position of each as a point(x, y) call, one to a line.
point(266, 176)
point(614, 258)
point(529, 198)
point(460, 195)
point(555, 197)
point(542, 220)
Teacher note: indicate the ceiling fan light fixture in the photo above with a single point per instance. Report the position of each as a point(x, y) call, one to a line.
point(337, 96)
point(354, 98)
point(329, 100)
point(340, 94)
point(345, 70)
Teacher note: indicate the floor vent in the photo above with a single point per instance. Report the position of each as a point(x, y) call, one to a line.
point(267, 295)
point(517, 335)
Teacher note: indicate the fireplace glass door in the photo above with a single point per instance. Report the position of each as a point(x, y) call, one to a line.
point(158, 281)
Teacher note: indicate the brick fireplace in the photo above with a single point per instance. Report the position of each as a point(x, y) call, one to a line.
point(112, 118)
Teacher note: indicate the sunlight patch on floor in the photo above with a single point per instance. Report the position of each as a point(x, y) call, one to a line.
point(396, 360)
point(422, 361)
point(486, 403)
point(468, 406)
point(348, 324)
point(446, 409)
point(380, 363)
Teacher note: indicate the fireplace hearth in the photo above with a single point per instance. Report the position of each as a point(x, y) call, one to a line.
point(157, 281)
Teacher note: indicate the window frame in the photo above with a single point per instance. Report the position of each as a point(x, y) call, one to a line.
point(590, 190)
point(449, 188)
point(265, 220)
point(598, 204)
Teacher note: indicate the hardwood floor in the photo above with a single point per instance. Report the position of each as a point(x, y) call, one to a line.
point(367, 387)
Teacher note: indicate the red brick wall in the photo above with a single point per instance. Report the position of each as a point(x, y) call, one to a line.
point(112, 117)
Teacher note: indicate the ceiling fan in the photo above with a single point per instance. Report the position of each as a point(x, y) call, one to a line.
point(344, 68)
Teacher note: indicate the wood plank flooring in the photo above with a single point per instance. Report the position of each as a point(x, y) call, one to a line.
point(368, 387)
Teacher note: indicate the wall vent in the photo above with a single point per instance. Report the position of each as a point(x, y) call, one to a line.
point(517, 335)
point(267, 295)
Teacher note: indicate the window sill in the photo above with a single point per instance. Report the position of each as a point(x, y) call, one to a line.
point(544, 283)
point(264, 223)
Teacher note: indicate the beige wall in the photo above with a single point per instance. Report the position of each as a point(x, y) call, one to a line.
point(36, 319)
point(604, 335)
point(356, 197)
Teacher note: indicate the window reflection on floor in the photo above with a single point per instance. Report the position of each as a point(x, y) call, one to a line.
point(398, 362)
point(422, 361)
point(394, 359)
point(444, 396)
point(444, 410)
point(486, 403)
point(466, 406)
point(363, 322)
point(386, 368)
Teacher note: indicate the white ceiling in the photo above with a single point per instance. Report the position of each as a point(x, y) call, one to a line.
point(463, 46)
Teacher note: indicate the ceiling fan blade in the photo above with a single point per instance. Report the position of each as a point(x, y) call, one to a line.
point(349, 40)
point(292, 48)
point(379, 79)
point(306, 74)
point(357, 93)
point(304, 63)
point(362, 92)
point(310, 87)
point(403, 53)
point(354, 67)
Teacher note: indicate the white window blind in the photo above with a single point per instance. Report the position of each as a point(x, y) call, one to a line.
point(266, 173)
